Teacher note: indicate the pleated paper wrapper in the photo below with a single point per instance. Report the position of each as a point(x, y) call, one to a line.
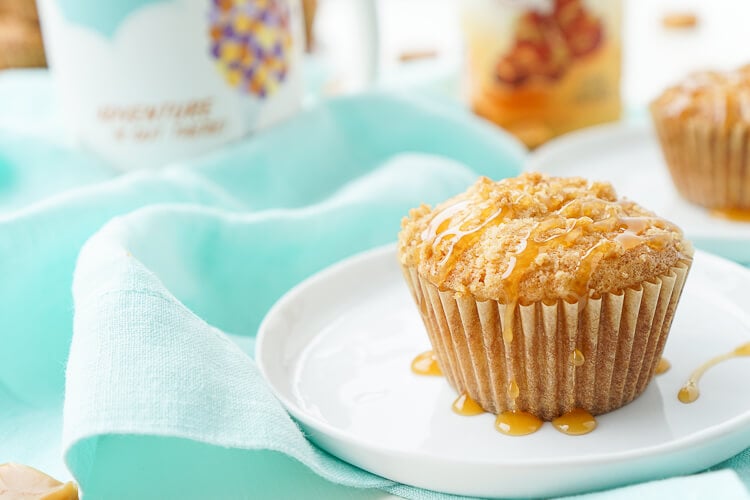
point(621, 337)
point(709, 164)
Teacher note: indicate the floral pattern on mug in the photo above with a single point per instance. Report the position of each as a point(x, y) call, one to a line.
point(251, 43)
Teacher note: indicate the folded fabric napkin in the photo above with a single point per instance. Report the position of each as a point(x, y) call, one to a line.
point(161, 397)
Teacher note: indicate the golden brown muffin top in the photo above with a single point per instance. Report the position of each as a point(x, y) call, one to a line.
point(720, 98)
point(536, 237)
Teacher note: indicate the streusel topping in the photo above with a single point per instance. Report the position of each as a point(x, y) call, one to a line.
point(536, 237)
point(721, 98)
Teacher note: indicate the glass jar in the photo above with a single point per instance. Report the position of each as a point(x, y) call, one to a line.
point(540, 68)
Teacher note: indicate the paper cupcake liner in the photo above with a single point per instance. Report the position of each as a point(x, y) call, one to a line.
point(620, 336)
point(709, 165)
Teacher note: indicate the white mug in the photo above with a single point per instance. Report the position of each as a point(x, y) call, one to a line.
point(147, 82)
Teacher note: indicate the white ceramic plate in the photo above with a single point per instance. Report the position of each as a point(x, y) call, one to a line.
point(629, 157)
point(337, 350)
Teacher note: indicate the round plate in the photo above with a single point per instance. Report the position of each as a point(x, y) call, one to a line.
point(337, 349)
point(630, 158)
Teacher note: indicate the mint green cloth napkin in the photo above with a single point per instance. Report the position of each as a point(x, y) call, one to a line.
point(161, 398)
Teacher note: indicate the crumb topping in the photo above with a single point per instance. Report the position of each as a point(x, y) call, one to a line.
point(721, 97)
point(536, 237)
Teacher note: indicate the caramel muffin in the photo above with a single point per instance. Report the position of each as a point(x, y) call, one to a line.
point(703, 126)
point(544, 295)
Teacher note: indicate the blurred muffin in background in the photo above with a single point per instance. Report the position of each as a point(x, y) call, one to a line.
point(703, 125)
point(20, 36)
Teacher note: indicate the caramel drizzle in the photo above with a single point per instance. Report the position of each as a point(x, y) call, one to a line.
point(458, 231)
point(465, 406)
point(513, 390)
point(732, 214)
point(517, 423)
point(690, 391)
point(663, 366)
point(426, 363)
point(575, 423)
point(576, 358)
point(512, 422)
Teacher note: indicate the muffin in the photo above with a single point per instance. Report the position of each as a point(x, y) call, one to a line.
point(543, 294)
point(703, 126)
